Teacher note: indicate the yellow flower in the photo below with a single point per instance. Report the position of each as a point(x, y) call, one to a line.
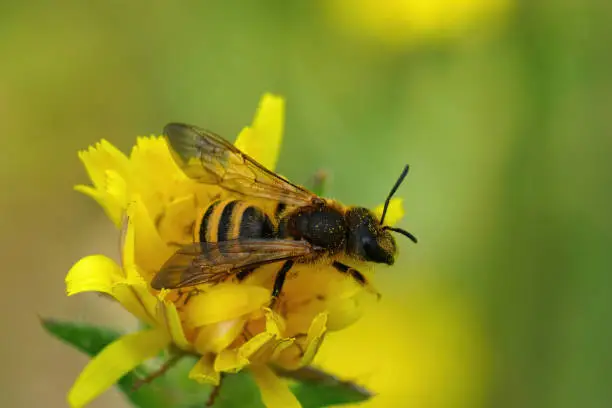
point(437, 357)
point(398, 22)
point(438, 345)
point(229, 325)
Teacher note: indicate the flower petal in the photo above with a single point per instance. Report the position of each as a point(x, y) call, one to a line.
point(307, 345)
point(97, 273)
point(110, 205)
point(255, 344)
point(263, 139)
point(169, 317)
point(145, 303)
point(100, 158)
point(94, 273)
point(309, 294)
point(344, 311)
point(395, 211)
point(216, 337)
point(157, 173)
point(314, 338)
point(176, 223)
point(235, 359)
point(134, 279)
point(274, 391)
point(150, 252)
point(107, 168)
point(117, 359)
point(116, 187)
point(274, 322)
point(230, 361)
point(204, 371)
point(224, 301)
point(269, 344)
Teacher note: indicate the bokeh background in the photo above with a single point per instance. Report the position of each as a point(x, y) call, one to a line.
point(501, 107)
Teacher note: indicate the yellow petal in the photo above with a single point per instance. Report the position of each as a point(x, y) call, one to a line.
point(117, 359)
point(134, 278)
point(116, 186)
point(277, 349)
point(344, 311)
point(216, 337)
point(157, 173)
point(169, 317)
point(314, 339)
point(230, 361)
point(204, 371)
point(310, 293)
point(307, 346)
point(151, 158)
point(395, 211)
point(127, 246)
point(274, 392)
point(111, 206)
point(97, 273)
point(133, 273)
point(267, 345)
point(263, 139)
point(100, 158)
point(274, 322)
point(176, 223)
point(94, 273)
point(255, 344)
point(145, 305)
point(224, 301)
point(234, 360)
point(107, 167)
point(150, 252)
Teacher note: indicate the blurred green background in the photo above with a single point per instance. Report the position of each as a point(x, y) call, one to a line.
point(501, 108)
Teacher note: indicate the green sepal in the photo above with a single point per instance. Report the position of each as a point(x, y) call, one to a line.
point(316, 388)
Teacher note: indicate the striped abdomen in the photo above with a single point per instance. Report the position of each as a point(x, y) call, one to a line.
point(232, 219)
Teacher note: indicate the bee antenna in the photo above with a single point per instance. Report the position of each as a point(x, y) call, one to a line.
point(403, 232)
point(393, 190)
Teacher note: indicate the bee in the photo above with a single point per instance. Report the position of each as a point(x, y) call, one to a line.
point(236, 236)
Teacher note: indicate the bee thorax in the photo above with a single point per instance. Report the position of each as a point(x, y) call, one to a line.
point(323, 228)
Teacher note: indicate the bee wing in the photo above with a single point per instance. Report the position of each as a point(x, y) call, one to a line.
point(213, 262)
point(210, 159)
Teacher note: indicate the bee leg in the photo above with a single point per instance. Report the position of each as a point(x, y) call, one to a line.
point(279, 281)
point(190, 294)
point(355, 274)
point(243, 274)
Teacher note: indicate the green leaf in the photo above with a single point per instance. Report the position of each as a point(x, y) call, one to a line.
point(315, 388)
point(238, 390)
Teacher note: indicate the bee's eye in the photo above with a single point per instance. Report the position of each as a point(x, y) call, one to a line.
point(366, 243)
point(371, 249)
point(374, 252)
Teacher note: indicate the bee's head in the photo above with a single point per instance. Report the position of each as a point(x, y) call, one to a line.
point(368, 238)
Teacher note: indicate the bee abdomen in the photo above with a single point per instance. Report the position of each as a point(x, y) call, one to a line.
point(254, 223)
point(228, 214)
point(205, 222)
point(233, 219)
